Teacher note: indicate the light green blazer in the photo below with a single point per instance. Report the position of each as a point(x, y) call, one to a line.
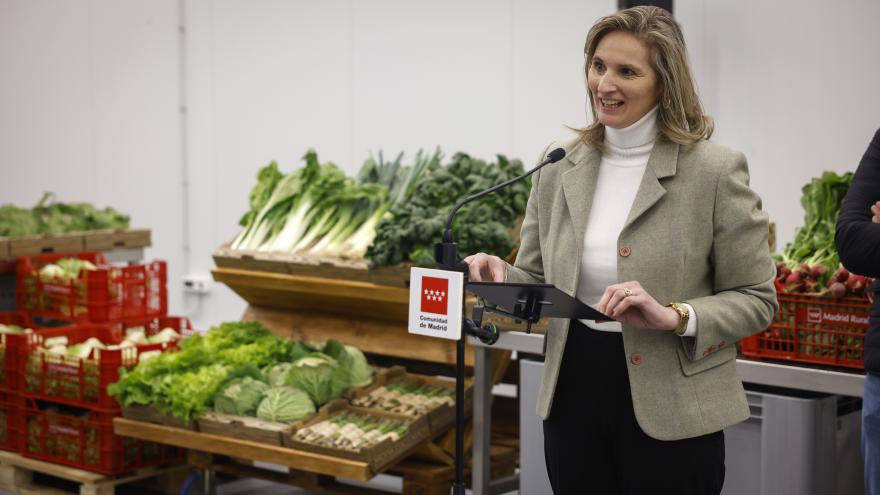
point(695, 234)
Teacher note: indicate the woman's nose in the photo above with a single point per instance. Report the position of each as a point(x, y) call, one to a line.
point(606, 84)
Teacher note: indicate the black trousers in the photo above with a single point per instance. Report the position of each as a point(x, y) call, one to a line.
point(593, 444)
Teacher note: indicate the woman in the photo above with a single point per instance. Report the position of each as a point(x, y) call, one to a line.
point(642, 212)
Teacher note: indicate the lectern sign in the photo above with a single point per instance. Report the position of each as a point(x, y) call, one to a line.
point(435, 299)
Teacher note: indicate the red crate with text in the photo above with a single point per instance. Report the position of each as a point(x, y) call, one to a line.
point(106, 293)
point(815, 329)
point(84, 438)
point(56, 370)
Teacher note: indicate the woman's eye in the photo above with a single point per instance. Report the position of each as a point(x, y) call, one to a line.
point(626, 71)
point(598, 65)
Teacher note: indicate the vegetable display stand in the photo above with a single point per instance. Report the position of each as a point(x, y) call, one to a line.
point(11, 410)
point(814, 329)
point(84, 439)
point(369, 316)
point(79, 380)
point(107, 293)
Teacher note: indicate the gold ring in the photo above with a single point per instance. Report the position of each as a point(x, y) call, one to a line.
point(627, 292)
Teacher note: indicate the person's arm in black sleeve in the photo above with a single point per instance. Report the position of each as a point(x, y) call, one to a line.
point(857, 238)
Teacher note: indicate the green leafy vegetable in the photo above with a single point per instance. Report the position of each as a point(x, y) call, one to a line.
point(285, 404)
point(50, 217)
point(320, 376)
point(412, 227)
point(275, 373)
point(813, 243)
point(240, 397)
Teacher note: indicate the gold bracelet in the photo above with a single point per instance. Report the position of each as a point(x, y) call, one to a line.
point(683, 317)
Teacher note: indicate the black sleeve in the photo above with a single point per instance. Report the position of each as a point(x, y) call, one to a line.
point(857, 238)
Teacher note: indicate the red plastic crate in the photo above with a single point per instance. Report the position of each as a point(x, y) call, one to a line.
point(11, 409)
point(153, 326)
point(110, 293)
point(84, 438)
point(81, 382)
point(815, 329)
point(10, 345)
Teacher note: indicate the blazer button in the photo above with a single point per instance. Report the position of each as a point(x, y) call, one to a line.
point(636, 358)
point(625, 251)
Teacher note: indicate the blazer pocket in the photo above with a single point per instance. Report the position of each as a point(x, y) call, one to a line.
point(717, 358)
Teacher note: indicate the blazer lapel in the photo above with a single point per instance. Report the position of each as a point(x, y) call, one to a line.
point(662, 163)
point(579, 184)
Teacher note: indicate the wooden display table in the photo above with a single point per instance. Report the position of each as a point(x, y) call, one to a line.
point(366, 315)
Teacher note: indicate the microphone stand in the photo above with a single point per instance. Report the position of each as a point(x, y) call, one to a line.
point(446, 256)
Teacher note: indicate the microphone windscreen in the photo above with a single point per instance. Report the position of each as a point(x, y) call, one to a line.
point(556, 155)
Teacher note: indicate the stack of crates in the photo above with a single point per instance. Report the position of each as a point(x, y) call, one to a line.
point(57, 400)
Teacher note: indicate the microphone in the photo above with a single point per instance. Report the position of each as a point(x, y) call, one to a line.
point(445, 253)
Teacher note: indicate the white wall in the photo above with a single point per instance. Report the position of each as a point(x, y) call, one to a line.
point(89, 97)
point(89, 110)
point(347, 78)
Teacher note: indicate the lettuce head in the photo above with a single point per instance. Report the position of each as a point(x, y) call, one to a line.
point(285, 405)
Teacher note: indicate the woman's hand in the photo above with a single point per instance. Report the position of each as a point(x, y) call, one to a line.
point(875, 211)
point(631, 305)
point(483, 267)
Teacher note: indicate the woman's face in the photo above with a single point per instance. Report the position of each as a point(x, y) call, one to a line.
point(621, 80)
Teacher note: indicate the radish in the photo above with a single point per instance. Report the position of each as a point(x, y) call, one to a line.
point(793, 278)
point(840, 274)
point(856, 284)
point(838, 289)
point(818, 271)
point(805, 269)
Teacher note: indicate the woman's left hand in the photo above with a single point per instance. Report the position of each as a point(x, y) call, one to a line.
point(631, 305)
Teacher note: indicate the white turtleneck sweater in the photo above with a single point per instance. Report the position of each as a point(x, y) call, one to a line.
point(620, 173)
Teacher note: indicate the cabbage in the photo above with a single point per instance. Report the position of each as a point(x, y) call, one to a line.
point(360, 373)
point(275, 373)
point(285, 404)
point(353, 360)
point(320, 376)
point(240, 397)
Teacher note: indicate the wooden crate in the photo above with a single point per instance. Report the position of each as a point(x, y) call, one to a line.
point(243, 427)
point(49, 243)
point(311, 266)
point(149, 414)
point(380, 456)
point(73, 242)
point(441, 418)
point(108, 240)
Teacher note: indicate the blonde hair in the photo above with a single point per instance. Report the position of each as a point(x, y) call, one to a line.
point(680, 117)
